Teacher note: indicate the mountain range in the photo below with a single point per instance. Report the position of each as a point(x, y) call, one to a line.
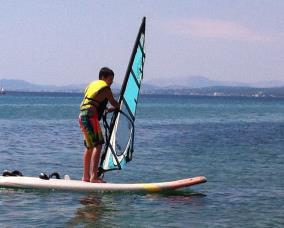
point(203, 82)
point(150, 86)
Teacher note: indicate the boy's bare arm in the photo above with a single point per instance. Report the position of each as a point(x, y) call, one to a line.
point(111, 99)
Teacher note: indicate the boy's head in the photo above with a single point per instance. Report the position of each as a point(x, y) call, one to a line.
point(107, 75)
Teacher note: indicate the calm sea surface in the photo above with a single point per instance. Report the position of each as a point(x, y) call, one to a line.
point(237, 143)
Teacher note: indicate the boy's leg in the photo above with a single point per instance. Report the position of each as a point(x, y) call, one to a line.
point(95, 163)
point(87, 162)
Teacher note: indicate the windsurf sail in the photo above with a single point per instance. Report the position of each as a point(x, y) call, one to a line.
point(120, 137)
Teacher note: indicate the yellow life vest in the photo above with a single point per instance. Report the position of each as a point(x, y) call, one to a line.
point(89, 103)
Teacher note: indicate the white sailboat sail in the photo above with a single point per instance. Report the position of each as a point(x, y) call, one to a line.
point(2, 90)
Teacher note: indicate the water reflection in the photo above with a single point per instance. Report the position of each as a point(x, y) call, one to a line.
point(90, 213)
point(177, 196)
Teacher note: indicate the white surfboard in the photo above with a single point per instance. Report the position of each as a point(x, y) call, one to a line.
point(36, 183)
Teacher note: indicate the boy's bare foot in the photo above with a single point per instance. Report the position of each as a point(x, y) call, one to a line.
point(86, 179)
point(98, 180)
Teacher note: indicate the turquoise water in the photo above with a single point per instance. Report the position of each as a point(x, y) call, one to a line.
point(237, 143)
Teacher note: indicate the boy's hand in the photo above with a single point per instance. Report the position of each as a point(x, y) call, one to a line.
point(111, 109)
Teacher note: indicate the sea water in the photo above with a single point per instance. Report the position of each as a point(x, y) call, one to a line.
point(236, 142)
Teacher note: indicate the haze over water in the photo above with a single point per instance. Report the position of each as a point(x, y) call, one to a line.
point(237, 143)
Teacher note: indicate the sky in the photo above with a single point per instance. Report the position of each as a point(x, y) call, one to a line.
point(67, 42)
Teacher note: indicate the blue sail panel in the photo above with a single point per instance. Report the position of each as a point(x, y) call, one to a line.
point(138, 64)
point(131, 94)
point(135, 79)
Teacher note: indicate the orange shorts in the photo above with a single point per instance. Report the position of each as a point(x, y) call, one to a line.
point(91, 129)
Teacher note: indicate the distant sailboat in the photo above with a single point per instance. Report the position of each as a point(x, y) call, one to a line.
point(2, 90)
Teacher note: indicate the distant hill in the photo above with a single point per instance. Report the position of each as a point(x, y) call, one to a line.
point(21, 85)
point(203, 82)
point(268, 84)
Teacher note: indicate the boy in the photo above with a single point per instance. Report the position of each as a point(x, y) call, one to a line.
point(97, 95)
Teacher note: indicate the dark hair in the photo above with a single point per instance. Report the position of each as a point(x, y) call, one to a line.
point(105, 72)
